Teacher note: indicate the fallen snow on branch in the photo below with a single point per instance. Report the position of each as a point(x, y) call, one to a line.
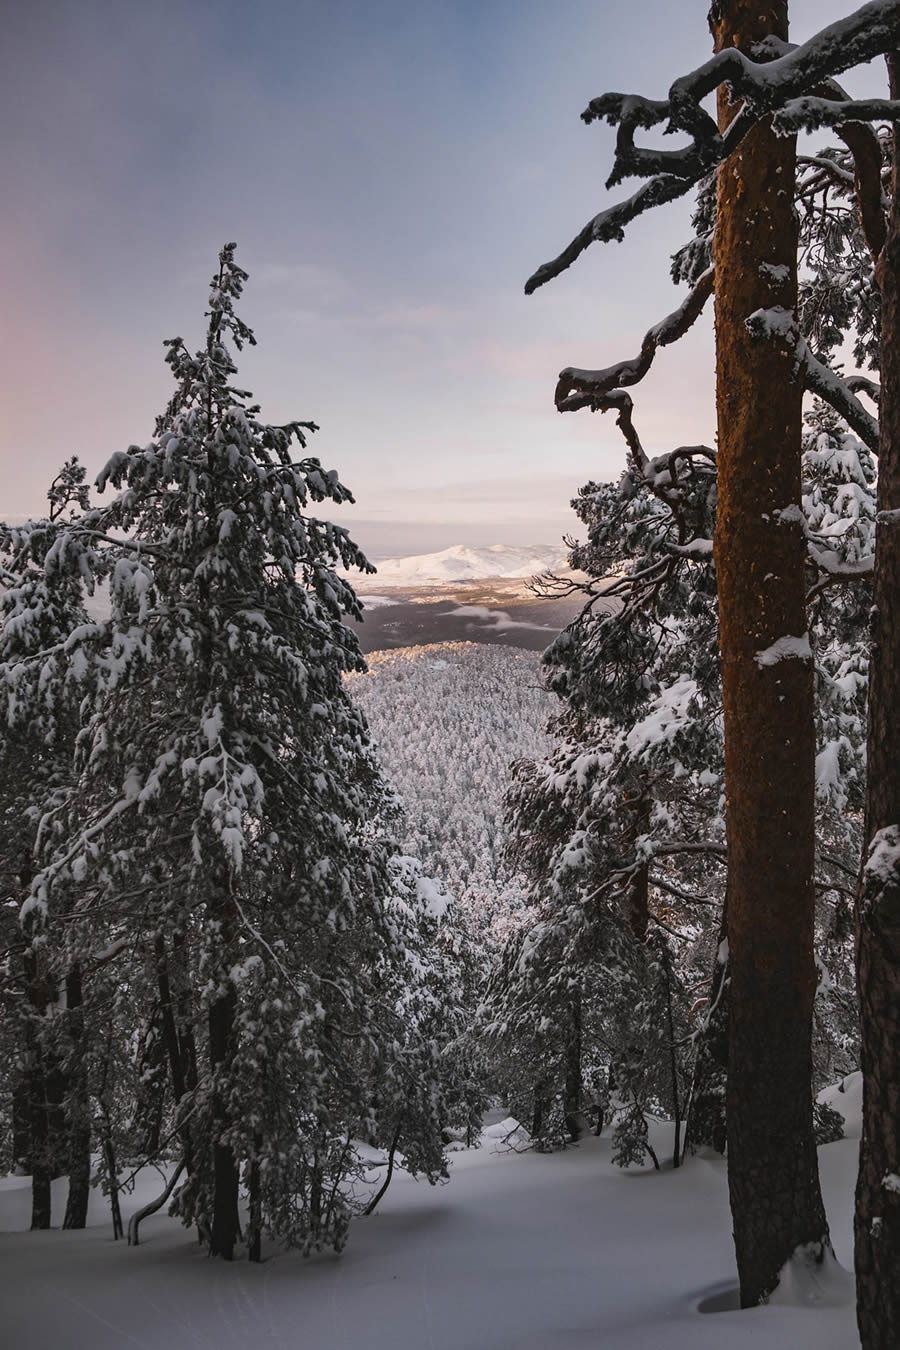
point(785, 649)
point(883, 862)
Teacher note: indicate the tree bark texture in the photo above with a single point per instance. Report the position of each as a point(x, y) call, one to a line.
point(878, 901)
point(776, 1203)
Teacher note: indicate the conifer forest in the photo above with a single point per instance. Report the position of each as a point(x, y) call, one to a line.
point(463, 995)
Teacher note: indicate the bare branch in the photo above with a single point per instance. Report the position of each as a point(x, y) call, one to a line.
point(709, 846)
point(658, 884)
point(834, 571)
point(822, 380)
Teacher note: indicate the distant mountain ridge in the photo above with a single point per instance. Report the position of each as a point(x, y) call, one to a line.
point(463, 562)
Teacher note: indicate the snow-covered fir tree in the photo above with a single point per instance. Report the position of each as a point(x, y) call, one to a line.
point(215, 852)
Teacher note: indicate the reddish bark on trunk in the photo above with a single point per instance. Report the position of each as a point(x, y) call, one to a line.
point(776, 1203)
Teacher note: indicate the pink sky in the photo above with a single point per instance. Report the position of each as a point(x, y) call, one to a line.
point(391, 178)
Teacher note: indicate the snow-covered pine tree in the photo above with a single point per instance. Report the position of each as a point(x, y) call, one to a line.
point(218, 833)
point(41, 603)
point(627, 806)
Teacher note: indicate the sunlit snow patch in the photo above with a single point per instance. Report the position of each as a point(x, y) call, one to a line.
point(377, 601)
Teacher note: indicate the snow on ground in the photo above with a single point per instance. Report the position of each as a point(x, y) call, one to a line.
point(845, 1097)
point(519, 1251)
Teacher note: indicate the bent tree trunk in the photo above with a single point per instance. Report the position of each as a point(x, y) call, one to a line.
point(767, 690)
point(878, 900)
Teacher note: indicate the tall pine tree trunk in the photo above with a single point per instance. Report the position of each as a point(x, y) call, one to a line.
point(776, 1203)
point(878, 903)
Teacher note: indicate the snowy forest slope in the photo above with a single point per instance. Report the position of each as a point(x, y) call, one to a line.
point(448, 718)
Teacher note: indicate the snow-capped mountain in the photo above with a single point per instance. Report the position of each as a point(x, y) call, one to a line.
point(464, 563)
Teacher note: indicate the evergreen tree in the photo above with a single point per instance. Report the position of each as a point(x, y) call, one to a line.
point(219, 833)
point(41, 603)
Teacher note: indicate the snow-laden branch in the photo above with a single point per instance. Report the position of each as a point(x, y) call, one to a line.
point(861, 384)
point(833, 570)
point(780, 325)
point(762, 87)
point(809, 113)
point(822, 380)
point(827, 167)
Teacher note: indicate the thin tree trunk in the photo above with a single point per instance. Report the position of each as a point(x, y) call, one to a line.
point(134, 1223)
point(79, 1126)
point(21, 1127)
point(254, 1221)
point(705, 1116)
point(112, 1180)
point(637, 904)
point(537, 1115)
point(107, 1145)
point(225, 1228)
point(177, 1050)
point(776, 1202)
point(167, 1019)
point(36, 1077)
point(382, 1190)
point(41, 1177)
point(673, 1055)
point(878, 902)
point(573, 1084)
